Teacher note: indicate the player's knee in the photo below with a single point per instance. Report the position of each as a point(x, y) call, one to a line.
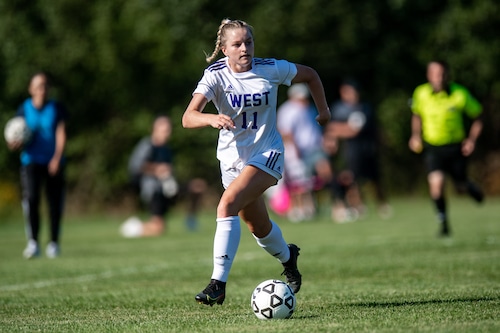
point(225, 208)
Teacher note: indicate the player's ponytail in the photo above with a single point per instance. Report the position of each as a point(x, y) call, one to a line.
point(221, 35)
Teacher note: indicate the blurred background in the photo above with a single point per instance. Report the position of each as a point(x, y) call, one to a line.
point(116, 64)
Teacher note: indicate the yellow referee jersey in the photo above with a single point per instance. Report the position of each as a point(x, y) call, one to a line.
point(442, 113)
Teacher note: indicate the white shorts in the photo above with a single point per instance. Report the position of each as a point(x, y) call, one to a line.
point(271, 161)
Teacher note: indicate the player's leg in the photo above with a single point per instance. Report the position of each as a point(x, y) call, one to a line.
point(158, 207)
point(253, 182)
point(436, 159)
point(356, 164)
point(238, 194)
point(31, 183)
point(55, 189)
point(151, 194)
point(458, 171)
point(339, 189)
point(240, 191)
point(436, 180)
point(256, 217)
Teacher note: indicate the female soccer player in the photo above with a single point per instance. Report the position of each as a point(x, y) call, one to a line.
point(244, 90)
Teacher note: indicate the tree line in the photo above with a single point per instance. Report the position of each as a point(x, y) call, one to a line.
point(116, 64)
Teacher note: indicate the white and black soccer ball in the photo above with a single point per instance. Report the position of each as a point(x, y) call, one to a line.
point(273, 299)
point(16, 130)
point(170, 187)
point(356, 120)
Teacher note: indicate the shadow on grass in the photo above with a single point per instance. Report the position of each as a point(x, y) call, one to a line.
point(423, 302)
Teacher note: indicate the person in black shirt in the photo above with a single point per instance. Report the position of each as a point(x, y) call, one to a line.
point(151, 170)
point(354, 124)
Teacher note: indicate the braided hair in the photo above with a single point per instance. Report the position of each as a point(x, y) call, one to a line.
point(225, 25)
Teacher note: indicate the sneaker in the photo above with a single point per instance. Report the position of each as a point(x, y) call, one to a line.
point(215, 292)
point(293, 276)
point(52, 250)
point(31, 249)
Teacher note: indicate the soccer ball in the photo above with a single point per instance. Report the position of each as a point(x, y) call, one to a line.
point(356, 120)
point(170, 187)
point(273, 299)
point(16, 130)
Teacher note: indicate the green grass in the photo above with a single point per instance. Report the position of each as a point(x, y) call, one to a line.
point(369, 276)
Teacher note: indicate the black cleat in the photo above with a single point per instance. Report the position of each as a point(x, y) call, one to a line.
point(445, 230)
point(475, 192)
point(215, 292)
point(293, 277)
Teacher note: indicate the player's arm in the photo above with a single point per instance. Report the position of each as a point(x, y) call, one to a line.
point(469, 144)
point(473, 109)
point(159, 170)
point(342, 130)
point(55, 162)
point(308, 75)
point(195, 118)
point(415, 142)
point(330, 140)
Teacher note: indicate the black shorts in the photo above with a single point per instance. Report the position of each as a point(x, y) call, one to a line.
point(447, 158)
point(362, 160)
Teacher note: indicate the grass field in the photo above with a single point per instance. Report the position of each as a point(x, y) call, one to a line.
point(369, 276)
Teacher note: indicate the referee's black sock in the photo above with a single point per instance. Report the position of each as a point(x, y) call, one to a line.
point(440, 204)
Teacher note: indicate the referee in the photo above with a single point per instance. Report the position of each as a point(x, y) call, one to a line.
point(440, 111)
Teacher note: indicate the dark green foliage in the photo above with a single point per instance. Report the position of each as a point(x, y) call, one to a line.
point(117, 63)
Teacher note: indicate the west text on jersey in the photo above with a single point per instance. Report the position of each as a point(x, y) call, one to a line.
point(248, 100)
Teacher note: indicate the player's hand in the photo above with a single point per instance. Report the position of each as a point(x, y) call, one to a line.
point(162, 170)
point(223, 121)
point(415, 144)
point(323, 117)
point(53, 166)
point(468, 147)
point(15, 145)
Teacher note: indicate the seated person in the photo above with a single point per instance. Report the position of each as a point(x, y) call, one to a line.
point(150, 167)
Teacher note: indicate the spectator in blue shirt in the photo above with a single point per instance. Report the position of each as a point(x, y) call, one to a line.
point(42, 163)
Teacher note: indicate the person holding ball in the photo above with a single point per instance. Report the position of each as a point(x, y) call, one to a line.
point(42, 163)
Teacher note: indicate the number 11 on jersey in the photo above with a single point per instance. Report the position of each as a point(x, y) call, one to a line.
point(245, 123)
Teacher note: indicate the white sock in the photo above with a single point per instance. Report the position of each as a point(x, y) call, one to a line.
point(226, 241)
point(275, 244)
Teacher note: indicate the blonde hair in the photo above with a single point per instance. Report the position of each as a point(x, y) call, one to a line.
point(225, 25)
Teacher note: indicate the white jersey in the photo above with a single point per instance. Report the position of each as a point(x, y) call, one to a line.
point(250, 99)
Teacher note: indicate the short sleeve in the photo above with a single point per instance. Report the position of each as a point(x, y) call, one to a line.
point(62, 113)
point(287, 71)
point(472, 107)
point(206, 86)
